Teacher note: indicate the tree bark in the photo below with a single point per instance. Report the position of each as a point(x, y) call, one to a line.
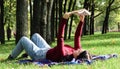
point(66, 27)
point(48, 34)
point(39, 18)
point(92, 18)
point(35, 26)
point(105, 24)
point(31, 15)
point(70, 28)
point(21, 19)
point(2, 33)
point(65, 5)
point(43, 19)
point(53, 22)
point(85, 28)
point(56, 16)
point(60, 9)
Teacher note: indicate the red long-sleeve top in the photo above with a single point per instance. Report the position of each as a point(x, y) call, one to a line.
point(61, 50)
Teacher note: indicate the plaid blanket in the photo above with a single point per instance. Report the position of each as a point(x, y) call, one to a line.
point(79, 61)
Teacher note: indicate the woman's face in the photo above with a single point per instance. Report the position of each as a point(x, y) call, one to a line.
point(77, 52)
point(80, 53)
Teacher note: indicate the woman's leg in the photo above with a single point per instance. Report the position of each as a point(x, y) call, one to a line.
point(39, 41)
point(31, 49)
point(78, 33)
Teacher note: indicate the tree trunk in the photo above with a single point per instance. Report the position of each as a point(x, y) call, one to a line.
point(70, 28)
point(60, 9)
point(35, 26)
point(43, 18)
point(92, 18)
point(85, 28)
point(48, 34)
point(66, 27)
point(118, 27)
point(65, 5)
point(105, 24)
point(39, 17)
point(53, 22)
point(22, 19)
point(56, 16)
point(31, 15)
point(2, 33)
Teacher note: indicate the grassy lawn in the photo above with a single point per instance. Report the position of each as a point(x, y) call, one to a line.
point(97, 44)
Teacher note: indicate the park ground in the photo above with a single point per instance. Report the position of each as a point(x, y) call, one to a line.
point(96, 44)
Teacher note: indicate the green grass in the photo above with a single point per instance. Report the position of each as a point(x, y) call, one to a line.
point(96, 44)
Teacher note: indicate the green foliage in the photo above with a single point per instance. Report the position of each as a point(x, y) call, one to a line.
point(100, 6)
point(10, 12)
point(113, 21)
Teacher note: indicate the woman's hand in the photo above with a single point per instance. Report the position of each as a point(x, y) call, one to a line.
point(67, 15)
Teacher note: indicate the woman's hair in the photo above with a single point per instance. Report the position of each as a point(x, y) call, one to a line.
point(67, 58)
point(85, 55)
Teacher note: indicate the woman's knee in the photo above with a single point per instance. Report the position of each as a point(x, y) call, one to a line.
point(36, 35)
point(25, 41)
point(24, 38)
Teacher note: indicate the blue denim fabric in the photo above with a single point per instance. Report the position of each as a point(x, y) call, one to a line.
point(36, 48)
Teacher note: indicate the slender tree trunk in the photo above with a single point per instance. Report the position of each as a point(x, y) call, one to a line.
point(35, 26)
point(53, 22)
point(31, 16)
point(22, 19)
point(118, 26)
point(65, 5)
point(2, 33)
point(70, 28)
point(60, 9)
point(48, 34)
point(56, 16)
point(9, 17)
point(66, 27)
point(105, 24)
point(43, 18)
point(92, 18)
point(39, 17)
point(85, 28)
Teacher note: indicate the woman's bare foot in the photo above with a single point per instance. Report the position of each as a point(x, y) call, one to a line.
point(82, 17)
point(81, 12)
point(67, 15)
